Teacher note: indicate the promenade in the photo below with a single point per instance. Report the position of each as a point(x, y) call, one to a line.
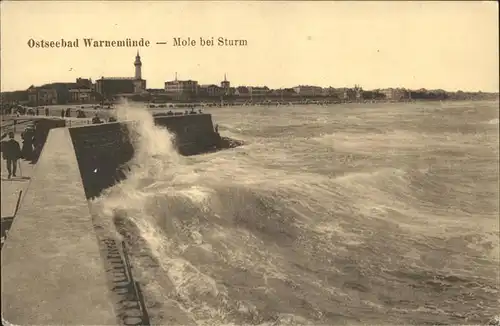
point(12, 189)
point(51, 258)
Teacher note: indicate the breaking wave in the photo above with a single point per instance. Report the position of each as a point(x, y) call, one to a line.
point(397, 226)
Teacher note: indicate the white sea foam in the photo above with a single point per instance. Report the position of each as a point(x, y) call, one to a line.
point(285, 223)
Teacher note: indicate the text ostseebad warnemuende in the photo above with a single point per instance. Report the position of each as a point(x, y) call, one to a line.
point(89, 43)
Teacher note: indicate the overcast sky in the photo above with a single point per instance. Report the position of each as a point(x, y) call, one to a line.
point(448, 45)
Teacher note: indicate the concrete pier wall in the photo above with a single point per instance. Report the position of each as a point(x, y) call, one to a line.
point(102, 151)
point(52, 270)
point(194, 132)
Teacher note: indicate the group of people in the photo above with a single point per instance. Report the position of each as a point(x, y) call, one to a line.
point(192, 111)
point(97, 120)
point(66, 113)
point(25, 111)
point(12, 151)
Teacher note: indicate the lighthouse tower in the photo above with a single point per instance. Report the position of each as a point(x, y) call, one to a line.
point(139, 83)
point(138, 66)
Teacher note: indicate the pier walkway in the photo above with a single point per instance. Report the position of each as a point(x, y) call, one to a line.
point(52, 269)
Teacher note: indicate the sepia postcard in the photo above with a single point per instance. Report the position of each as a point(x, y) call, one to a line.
point(250, 163)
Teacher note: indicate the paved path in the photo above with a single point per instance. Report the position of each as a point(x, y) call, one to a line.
point(52, 271)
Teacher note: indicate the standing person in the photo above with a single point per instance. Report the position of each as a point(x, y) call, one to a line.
point(47, 111)
point(11, 153)
point(27, 149)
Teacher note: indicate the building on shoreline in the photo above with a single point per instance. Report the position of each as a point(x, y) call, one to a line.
point(81, 91)
point(242, 91)
point(108, 87)
point(85, 82)
point(258, 91)
point(81, 95)
point(395, 94)
point(210, 90)
point(61, 93)
point(44, 95)
point(15, 97)
point(182, 89)
point(306, 90)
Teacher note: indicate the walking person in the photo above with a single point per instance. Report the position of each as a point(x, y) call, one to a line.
point(11, 154)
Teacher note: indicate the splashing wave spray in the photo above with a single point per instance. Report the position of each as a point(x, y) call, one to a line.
point(158, 173)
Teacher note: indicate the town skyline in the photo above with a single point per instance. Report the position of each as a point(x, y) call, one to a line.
point(451, 46)
point(217, 83)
